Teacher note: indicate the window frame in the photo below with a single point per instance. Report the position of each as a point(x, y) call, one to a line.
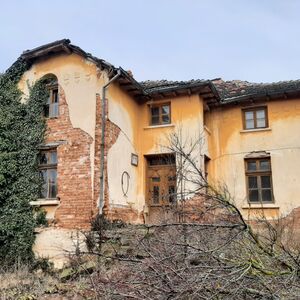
point(258, 173)
point(254, 109)
point(159, 105)
point(51, 102)
point(48, 167)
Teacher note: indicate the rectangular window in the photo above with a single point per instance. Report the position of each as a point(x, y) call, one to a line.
point(259, 180)
point(160, 114)
point(48, 171)
point(255, 118)
point(51, 108)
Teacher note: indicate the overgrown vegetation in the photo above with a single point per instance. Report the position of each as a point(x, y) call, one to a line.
point(219, 259)
point(22, 129)
point(207, 250)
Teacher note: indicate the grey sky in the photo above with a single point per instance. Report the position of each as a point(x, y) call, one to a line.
point(254, 40)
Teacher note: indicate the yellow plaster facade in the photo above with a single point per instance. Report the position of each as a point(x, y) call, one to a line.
point(229, 144)
point(226, 143)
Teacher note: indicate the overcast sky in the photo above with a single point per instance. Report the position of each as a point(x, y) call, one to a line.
point(254, 40)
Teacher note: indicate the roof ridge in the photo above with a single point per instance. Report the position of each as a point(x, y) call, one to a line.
point(57, 42)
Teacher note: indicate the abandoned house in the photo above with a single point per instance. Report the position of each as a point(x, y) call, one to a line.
point(117, 163)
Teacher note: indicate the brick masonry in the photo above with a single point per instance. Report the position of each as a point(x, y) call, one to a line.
point(73, 169)
point(78, 184)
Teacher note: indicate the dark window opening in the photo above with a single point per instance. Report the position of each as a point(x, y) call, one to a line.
point(160, 160)
point(206, 163)
point(48, 173)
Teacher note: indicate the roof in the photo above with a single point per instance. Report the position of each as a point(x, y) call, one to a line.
point(59, 46)
point(164, 88)
point(214, 92)
point(155, 85)
point(140, 90)
point(237, 90)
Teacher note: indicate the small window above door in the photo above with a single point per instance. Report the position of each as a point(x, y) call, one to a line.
point(161, 160)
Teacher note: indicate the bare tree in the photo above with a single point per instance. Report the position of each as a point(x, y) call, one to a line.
point(209, 252)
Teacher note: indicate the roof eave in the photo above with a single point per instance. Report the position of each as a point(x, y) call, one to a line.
point(264, 96)
point(55, 47)
point(188, 89)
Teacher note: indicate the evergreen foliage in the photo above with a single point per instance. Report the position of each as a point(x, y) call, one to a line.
point(22, 129)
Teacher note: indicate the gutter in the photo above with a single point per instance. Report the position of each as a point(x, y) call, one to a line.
point(102, 145)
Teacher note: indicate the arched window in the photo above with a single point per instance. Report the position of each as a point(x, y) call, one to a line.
point(51, 109)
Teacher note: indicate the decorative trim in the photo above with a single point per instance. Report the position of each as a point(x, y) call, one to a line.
point(257, 155)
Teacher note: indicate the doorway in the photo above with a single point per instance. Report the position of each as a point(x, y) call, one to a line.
point(161, 186)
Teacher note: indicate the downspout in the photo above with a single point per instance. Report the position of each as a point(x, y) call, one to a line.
point(102, 145)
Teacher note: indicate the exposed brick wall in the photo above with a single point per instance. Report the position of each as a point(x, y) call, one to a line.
point(112, 132)
point(78, 187)
point(73, 169)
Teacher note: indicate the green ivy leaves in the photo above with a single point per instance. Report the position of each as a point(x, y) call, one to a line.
point(22, 130)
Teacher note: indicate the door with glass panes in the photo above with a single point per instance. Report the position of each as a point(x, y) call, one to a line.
point(161, 177)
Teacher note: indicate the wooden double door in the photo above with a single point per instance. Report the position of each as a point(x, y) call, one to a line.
point(161, 181)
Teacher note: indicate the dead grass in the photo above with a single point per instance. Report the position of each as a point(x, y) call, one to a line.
point(20, 283)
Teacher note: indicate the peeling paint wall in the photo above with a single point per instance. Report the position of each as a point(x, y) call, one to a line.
point(136, 136)
point(229, 144)
point(123, 111)
point(128, 132)
point(78, 78)
point(186, 122)
point(74, 129)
